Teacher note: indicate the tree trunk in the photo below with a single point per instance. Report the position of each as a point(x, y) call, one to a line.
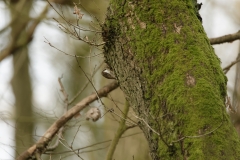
point(235, 116)
point(21, 83)
point(170, 75)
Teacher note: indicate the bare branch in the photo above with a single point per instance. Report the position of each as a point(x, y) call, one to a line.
point(40, 146)
point(227, 68)
point(224, 39)
point(73, 31)
point(60, 132)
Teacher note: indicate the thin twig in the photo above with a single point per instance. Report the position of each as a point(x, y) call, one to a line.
point(85, 86)
point(198, 136)
point(208, 133)
point(100, 23)
point(106, 141)
point(64, 94)
point(60, 132)
point(55, 145)
point(122, 117)
point(227, 68)
point(77, 36)
point(68, 147)
point(88, 80)
point(97, 149)
point(147, 125)
point(72, 55)
point(79, 27)
point(120, 109)
point(75, 135)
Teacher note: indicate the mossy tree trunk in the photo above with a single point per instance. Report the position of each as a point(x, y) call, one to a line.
point(172, 78)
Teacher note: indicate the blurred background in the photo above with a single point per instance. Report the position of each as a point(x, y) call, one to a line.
point(37, 47)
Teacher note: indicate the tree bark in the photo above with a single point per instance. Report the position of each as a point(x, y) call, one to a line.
point(172, 78)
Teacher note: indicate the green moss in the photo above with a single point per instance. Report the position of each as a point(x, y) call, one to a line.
point(168, 58)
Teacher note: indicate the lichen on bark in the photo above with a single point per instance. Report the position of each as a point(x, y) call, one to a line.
point(171, 77)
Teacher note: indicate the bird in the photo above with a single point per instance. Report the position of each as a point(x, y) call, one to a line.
point(107, 73)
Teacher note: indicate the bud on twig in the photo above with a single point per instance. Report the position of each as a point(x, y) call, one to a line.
point(93, 113)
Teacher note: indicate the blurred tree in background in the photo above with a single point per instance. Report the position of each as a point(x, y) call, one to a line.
point(24, 122)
